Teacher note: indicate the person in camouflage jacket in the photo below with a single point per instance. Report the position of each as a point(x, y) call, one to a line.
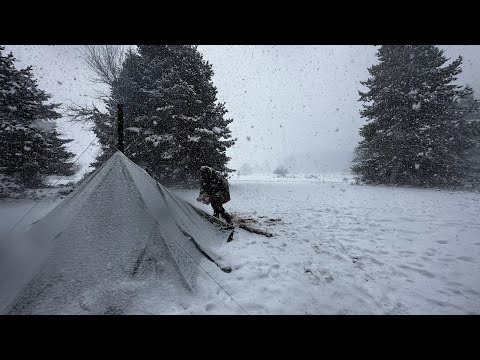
point(214, 190)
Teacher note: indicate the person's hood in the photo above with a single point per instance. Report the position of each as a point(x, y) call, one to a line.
point(207, 169)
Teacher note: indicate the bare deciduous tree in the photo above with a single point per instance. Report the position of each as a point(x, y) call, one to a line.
point(281, 171)
point(105, 61)
point(81, 113)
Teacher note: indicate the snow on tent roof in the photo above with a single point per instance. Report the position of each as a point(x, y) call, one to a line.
point(120, 233)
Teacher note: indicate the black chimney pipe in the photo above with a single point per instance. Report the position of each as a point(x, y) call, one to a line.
point(120, 127)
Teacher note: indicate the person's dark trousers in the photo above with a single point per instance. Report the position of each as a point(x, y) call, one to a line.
point(218, 209)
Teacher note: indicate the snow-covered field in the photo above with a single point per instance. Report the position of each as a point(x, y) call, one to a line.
point(325, 177)
point(337, 249)
point(12, 211)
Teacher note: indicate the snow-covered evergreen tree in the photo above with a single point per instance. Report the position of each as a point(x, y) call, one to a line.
point(416, 134)
point(473, 134)
point(29, 143)
point(172, 122)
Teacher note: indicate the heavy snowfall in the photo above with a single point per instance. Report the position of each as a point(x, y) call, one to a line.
point(372, 211)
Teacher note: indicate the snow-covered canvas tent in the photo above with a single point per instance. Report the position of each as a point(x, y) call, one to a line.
point(120, 233)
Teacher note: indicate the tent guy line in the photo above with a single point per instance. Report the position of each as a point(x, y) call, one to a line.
point(206, 255)
point(53, 186)
point(114, 240)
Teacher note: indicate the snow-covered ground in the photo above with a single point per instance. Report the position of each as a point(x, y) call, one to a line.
point(346, 249)
point(337, 249)
point(334, 177)
point(12, 211)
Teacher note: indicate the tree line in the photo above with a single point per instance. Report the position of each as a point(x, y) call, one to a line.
point(422, 128)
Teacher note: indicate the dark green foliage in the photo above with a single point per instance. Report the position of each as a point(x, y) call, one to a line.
point(29, 144)
point(416, 132)
point(172, 122)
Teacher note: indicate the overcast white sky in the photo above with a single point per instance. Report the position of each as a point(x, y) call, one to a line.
point(285, 100)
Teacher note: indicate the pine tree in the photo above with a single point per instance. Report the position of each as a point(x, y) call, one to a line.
point(473, 134)
point(172, 122)
point(416, 134)
point(29, 143)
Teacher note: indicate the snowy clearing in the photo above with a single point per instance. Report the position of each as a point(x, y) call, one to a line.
point(337, 249)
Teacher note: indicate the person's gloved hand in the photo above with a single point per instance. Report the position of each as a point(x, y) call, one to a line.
point(205, 198)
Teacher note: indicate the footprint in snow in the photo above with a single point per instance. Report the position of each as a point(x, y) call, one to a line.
point(210, 307)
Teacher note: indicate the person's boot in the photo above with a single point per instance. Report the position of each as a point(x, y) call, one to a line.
point(227, 217)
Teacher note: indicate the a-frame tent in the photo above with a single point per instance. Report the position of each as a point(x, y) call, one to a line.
point(119, 233)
